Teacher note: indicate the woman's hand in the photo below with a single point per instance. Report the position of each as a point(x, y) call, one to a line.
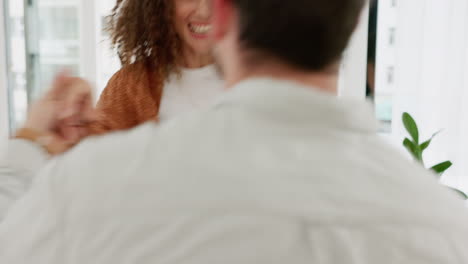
point(62, 116)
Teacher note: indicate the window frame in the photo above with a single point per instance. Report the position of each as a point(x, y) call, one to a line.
point(4, 102)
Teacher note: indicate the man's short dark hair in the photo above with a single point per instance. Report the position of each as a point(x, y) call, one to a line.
point(308, 34)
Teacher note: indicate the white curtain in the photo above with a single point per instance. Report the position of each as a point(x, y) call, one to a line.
point(432, 79)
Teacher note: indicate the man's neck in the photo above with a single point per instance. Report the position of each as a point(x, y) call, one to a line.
point(323, 81)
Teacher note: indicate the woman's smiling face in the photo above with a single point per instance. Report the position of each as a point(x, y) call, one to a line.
point(193, 24)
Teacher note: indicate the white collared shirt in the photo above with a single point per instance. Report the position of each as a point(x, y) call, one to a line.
point(274, 173)
point(19, 163)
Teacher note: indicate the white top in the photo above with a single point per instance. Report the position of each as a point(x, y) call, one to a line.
point(273, 173)
point(194, 89)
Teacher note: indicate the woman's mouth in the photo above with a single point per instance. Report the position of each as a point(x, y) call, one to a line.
point(199, 29)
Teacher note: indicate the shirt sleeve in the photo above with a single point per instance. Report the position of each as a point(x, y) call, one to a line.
point(20, 162)
point(32, 230)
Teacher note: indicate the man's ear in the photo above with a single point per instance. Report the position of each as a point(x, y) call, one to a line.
point(222, 18)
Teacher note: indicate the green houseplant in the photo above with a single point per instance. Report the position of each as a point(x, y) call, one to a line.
point(416, 149)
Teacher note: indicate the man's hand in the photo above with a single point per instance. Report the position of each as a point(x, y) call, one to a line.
point(63, 114)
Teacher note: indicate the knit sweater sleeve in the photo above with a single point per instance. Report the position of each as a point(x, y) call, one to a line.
point(130, 99)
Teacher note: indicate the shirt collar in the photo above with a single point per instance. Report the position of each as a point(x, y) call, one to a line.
point(296, 102)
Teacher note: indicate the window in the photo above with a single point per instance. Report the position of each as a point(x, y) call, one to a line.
point(3, 81)
point(46, 36)
point(15, 46)
point(422, 68)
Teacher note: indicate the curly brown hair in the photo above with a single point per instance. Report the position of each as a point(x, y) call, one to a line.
point(143, 31)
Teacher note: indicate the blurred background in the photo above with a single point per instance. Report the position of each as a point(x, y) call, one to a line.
point(406, 56)
point(45, 36)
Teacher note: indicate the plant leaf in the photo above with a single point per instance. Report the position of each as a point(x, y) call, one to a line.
point(413, 149)
point(426, 144)
point(436, 133)
point(410, 147)
point(411, 127)
point(462, 194)
point(442, 167)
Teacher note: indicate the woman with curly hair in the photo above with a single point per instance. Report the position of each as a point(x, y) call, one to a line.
point(167, 70)
point(165, 50)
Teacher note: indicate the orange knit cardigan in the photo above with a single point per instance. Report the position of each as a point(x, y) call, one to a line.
point(132, 97)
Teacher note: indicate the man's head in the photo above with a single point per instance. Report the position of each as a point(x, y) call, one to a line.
point(307, 35)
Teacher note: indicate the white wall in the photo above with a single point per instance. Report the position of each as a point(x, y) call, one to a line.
point(3, 81)
point(352, 83)
point(432, 79)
